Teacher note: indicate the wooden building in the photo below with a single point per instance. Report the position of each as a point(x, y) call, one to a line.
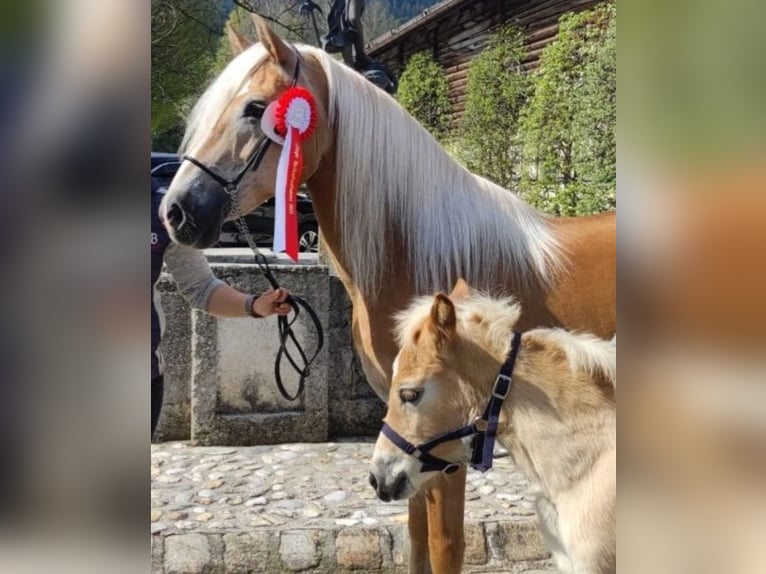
point(456, 30)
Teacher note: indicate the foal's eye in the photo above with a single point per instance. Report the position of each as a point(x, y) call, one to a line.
point(254, 109)
point(409, 395)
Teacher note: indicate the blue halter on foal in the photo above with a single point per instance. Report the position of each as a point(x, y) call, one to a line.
point(483, 429)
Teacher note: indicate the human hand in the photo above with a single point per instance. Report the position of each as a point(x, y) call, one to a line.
point(272, 302)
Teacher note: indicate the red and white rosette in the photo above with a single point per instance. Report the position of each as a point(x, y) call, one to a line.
point(289, 121)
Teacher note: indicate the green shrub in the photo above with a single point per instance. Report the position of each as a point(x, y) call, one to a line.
point(424, 92)
point(495, 93)
point(568, 125)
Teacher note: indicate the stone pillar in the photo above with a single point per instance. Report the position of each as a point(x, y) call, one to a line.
point(234, 399)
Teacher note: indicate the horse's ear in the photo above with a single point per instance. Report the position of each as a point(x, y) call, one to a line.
point(443, 318)
point(237, 41)
point(461, 290)
point(274, 45)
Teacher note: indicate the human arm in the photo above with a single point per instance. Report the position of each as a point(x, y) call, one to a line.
point(199, 285)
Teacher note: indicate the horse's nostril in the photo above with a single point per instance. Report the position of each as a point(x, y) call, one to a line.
point(175, 216)
point(373, 481)
point(399, 485)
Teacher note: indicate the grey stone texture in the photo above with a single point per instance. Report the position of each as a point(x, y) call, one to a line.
point(307, 507)
point(219, 373)
point(175, 420)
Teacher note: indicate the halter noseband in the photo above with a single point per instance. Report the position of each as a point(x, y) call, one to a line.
point(230, 186)
point(483, 429)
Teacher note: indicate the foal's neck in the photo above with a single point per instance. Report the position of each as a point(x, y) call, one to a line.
point(556, 422)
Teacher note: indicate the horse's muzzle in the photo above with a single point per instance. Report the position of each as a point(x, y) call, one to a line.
point(195, 219)
point(388, 490)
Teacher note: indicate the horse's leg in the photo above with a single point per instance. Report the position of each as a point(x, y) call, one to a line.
point(418, 527)
point(445, 502)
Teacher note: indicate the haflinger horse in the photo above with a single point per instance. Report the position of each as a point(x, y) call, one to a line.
point(399, 218)
point(549, 393)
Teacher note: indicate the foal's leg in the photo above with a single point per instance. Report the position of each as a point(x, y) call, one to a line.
point(418, 526)
point(445, 501)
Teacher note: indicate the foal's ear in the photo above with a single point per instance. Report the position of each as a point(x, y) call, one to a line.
point(237, 41)
point(274, 45)
point(443, 318)
point(461, 290)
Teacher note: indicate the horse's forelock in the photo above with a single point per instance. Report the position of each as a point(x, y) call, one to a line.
point(218, 95)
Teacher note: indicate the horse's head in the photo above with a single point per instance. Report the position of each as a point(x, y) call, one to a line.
point(430, 392)
point(224, 134)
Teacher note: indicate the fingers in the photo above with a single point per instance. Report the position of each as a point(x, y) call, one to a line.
point(273, 302)
point(283, 309)
point(282, 295)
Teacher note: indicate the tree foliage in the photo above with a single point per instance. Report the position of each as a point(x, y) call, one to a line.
point(495, 93)
point(424, 92)
point(184, 39)
point(568, 126)
point(378, 19)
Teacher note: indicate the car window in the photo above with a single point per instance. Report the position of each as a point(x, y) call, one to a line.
point(168, 169)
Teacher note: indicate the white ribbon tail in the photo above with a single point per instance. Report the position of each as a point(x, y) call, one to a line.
point(280, 196)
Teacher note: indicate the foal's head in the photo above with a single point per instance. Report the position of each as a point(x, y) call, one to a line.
point(449, 345)
point(452, 349)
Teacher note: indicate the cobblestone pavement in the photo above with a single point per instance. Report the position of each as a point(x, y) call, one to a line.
point(308, 507)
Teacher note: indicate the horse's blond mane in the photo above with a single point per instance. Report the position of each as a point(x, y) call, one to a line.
point(396, 185)
point(394, 181)
point(489, 322)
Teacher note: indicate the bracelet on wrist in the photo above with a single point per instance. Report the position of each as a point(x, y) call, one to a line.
point(249, 307)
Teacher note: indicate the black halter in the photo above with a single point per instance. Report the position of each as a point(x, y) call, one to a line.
point(230, 187)
point(483, 429)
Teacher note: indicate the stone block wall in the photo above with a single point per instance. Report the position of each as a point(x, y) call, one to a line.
point(219, 373)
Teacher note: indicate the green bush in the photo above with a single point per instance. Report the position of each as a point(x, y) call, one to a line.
point(568, 125)
point(495, 93)
point(424, 92)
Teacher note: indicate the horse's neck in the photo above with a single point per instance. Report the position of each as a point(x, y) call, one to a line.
point(324, 197)
point(372, 317)
point(550, 433)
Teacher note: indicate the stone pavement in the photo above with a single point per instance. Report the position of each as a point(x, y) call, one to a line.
point(308, 507)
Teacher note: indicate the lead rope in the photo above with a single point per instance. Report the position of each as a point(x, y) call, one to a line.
point(285, 326)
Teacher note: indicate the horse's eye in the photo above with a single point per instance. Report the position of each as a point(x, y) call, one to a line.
point(254, 109)
point(409, 395)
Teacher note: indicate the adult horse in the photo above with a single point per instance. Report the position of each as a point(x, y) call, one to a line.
point(399, 218)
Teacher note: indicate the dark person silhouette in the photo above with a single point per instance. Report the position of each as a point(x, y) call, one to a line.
point(346, 35)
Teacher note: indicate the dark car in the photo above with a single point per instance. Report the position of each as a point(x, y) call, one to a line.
point(260, 222)
point(164, 167)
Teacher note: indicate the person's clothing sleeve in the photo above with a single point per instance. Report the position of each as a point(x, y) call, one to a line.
point(192, 273)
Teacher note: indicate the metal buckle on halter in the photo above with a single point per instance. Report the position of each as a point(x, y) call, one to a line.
point(416, 453)
point(507, 389)
point(481, 424)
point(230, 188)
point(450, 468)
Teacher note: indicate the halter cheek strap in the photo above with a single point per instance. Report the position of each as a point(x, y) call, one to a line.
point(483, 429)
point(230, 185)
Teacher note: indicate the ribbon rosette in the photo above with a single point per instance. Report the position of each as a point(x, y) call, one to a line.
point(292, 117)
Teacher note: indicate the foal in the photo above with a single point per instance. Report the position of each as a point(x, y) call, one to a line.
point(557, 420)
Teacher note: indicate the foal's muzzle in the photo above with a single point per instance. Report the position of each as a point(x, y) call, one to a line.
point(388, 490)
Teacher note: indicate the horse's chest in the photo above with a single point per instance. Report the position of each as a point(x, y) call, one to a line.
point(375, 347)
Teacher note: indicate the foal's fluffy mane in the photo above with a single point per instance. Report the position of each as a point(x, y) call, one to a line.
point(489, 322)
point(396, 185)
